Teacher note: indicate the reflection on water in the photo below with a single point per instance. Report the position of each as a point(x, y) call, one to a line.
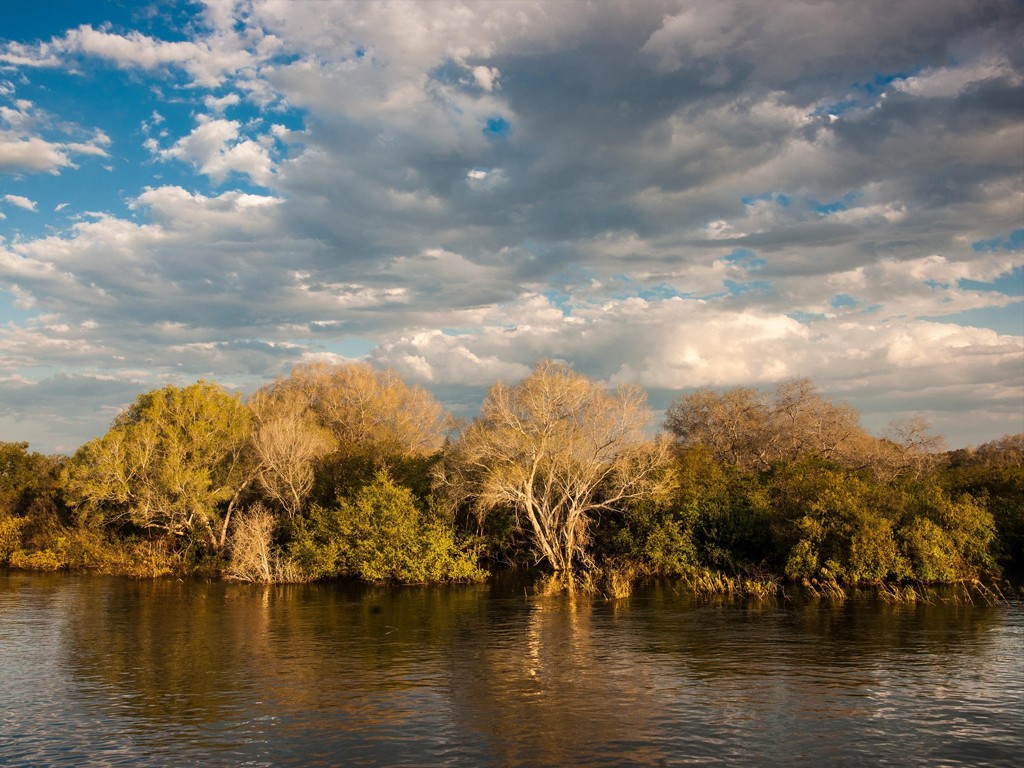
point(105, 671)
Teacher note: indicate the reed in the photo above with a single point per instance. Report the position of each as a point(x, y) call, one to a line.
point(904, 593)
point(824, 589)
point(708, 583)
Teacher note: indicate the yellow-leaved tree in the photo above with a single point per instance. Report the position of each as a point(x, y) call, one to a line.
point(172, 463)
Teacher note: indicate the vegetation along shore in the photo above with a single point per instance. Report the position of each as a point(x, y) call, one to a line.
point(347, 471)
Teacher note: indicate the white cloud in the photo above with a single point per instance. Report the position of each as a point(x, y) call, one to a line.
point(216, 148)
point(18, 153)
point(21, 202)
point(24, 148)
point(486, 77)
point(671, 203)
point(219, 104)
point(209, 61)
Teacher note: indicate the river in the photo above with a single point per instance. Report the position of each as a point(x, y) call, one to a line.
point(102, 671)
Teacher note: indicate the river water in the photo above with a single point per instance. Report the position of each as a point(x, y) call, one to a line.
point(106, 671)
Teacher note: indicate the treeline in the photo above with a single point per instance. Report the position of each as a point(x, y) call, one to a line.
point(347, 471)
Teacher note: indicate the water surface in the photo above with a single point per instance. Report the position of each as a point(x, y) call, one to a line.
point(107, 671)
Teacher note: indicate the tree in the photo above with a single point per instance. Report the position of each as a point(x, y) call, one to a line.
point(343, 423)
point(914, 450)
point(171, 463)
point(752, 430)
point(734, 426)
point(30, 499)
point(557, 449)
point(286, 441)
point(366, 410)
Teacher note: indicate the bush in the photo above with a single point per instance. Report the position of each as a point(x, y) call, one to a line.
point(835, 524)
point(382, 535)
point(947, 539)
point(10, 537)
point(253, 554)
point(39, 560)
point(389, 540)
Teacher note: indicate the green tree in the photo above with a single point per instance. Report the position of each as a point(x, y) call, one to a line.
point(172, 463)
point(945, 538)
point(31, 504)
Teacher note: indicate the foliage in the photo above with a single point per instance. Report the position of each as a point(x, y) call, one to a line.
point(381, 534)
point(10, 537)
point(317, 544)
point(170, 463)
point(26, 478)
point(364, 409)
point(993, 474)
point(947, 539)
point(31, 507)
point(324, 430)
point(339, 471)
point(838, 525)
point(830, 524)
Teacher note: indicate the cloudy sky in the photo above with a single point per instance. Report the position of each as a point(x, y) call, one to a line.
point(670, 192)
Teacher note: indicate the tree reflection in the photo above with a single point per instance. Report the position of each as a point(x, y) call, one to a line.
point(488, 674)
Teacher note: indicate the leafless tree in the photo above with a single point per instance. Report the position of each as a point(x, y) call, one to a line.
point(755, 430)
point(557, 449)
point(286, 441)
point(252, 549)
point(915, 448)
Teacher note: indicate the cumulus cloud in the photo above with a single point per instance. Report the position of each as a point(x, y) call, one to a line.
point(215, 147)
point(24, 146)
point(676, 193)
point(207, 61)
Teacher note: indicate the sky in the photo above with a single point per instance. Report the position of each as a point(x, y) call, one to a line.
point(675, 193)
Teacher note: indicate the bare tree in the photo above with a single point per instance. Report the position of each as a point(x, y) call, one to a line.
point(1007, 451)
point(916, 449)
point(556, 448)
point(253, 557)
point(286, 441)
point(735, 425)
point(753, 430)
point(804, 423)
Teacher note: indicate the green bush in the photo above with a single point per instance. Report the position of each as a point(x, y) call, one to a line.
point(946, 539)
point(650, 539)
point(380, 535)
point(834, 525)
point(10, 537)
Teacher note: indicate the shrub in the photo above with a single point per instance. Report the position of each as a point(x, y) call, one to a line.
point(10, 537)
point(381, 534)
point(390, 540)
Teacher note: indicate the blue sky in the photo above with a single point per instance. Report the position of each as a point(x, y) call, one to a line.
point(673, 193)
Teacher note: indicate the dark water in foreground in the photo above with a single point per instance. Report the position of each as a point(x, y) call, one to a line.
point(105, 671)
